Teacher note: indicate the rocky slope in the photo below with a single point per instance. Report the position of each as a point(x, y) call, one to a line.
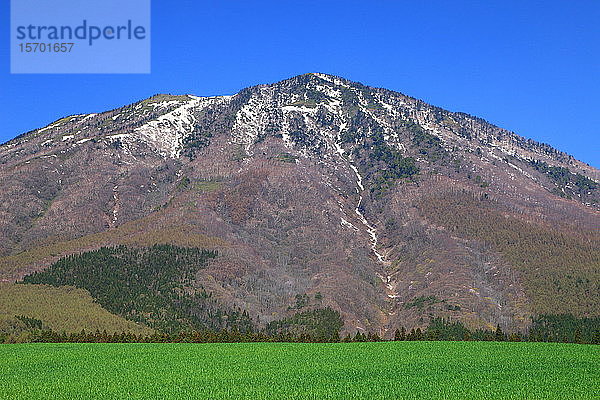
point(374, 203)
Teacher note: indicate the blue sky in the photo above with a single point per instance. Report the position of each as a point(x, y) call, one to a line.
point(530, 67)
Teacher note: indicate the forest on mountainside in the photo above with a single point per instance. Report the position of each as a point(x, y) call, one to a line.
point(154, 285)
point(560, 268)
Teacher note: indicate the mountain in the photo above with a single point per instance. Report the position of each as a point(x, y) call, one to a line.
point(316, 192)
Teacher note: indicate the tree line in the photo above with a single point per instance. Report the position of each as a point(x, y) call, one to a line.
point(547, 328)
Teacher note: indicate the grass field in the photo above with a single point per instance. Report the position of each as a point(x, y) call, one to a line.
point(62, 308)
point(392, 370)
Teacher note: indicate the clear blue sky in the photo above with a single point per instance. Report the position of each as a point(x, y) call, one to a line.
point(529, 66)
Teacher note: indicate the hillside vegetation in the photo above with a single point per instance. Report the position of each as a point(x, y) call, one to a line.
point(146, 231)
point(560, 269)
point(62, 308)
point(153, 285)
point(323, 324)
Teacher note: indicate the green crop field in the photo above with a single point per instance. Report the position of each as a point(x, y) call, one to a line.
point(388, 370)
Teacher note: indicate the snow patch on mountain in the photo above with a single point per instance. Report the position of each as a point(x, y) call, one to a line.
point(249, 123)
point(167, 132)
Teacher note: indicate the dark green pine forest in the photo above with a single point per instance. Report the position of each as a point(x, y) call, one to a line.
point(155, 286)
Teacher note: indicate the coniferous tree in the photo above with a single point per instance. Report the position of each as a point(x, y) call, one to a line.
point(499, 335)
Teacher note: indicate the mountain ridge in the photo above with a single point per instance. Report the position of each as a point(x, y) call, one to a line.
point(321, 75)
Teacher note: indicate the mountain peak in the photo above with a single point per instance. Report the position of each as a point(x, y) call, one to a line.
point(393, 210)
point(170, 124)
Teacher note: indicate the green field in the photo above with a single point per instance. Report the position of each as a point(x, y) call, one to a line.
point(388, 370)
